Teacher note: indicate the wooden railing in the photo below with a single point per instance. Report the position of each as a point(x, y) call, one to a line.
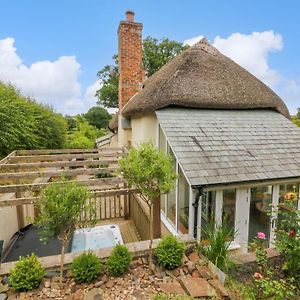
point(139, 213)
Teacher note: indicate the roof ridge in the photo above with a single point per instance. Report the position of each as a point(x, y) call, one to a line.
point(206, 46)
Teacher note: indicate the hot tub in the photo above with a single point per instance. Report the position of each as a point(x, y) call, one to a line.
point(98, 237)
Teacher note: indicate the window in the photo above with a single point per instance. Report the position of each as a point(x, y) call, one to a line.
point(162, 140)
point(171, 197)
point(183, 203)
point(286, 191)
point(260, 208)
point(162, 146)
point(208, 205)
point(228, 212)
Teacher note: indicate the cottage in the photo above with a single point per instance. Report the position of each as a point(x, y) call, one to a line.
point(234, 147)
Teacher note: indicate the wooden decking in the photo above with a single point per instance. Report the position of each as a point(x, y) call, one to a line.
point(127, 227)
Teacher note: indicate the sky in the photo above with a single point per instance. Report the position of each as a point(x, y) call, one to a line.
point(51, 50)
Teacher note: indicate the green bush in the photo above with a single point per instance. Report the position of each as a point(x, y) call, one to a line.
point(215, 246)
point(288, 239)
point(86, 267)
point(26, 124)
point(27, 274)
point(119, 260)
point(169, 252)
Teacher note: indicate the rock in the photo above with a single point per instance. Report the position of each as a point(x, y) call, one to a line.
point(94, 294)
point(172, 288)
point(204, 272)
point(47, 284)
point(98, 284)
point(198, 287)
point(3, 296)
point(170, 273)
point(191, 266)
point(3, 288)
point(145, 260)
point(104, 278)
point(195, 274)
point(50, 274)
point(215, 283)
point(140, 261)
point(5, 280)
point(194, 257)
point(184, 259)
point(78, 295)
point(176, 272)
point(144, 285)
point(159, 273)
point(110, 283)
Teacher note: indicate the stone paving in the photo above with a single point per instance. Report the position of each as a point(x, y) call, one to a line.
point(193, 278)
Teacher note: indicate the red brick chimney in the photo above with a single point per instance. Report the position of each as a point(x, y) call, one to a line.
point(130, 58)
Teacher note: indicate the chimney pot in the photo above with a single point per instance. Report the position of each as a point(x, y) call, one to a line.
point(129, 16)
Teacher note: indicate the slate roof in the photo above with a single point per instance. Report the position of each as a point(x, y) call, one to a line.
point(231, 146)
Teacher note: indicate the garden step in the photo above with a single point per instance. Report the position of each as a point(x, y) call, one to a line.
point(215, 283)
point(205, 272)
point(172, 288)
point(198, 287)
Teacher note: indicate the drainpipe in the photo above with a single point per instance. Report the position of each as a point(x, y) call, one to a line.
point(198, 195)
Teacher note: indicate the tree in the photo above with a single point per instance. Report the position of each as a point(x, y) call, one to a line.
point(98, 117)
point(151, 172)
point(26, 124)
point(298, 113)
point(84, 135)
point(109, 77)
point(61, 206)
point(155, 54)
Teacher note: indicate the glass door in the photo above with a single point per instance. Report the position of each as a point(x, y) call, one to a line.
point(259, 215)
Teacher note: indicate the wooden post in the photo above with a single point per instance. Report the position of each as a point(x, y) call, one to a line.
point(20, 209)
point(156, 219)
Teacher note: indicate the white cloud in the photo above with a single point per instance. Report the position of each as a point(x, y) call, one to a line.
point(55, 83)
point(252, 52)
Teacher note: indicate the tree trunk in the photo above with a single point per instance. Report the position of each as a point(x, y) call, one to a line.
point(62, 258)
point(151, 232)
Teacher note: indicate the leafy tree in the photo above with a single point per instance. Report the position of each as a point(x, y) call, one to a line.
point(298, 113)
point(61, 206)
point(71, 122)
point(155, 54)
point(151, 172)
point(98, 117)
point(84, 135)
point(26, 124)
point(109, 77)
point(296, 121)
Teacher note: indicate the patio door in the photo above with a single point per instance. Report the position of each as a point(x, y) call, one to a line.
point(259, 213)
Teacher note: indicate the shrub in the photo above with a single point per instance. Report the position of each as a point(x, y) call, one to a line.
point(288, 239)
point(27, 274)
point(86, 267)
point(217, 249)
point(119, 260)
point(169, 252)
point(269, 288)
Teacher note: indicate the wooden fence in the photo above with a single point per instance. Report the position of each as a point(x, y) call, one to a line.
point(139, 213)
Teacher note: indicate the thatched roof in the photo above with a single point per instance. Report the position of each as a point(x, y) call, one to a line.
point(113, 123)
point(202, 77)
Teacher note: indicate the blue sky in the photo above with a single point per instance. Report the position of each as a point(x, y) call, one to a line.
point(52, 50)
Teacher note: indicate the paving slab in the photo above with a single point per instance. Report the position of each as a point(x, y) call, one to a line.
point(215, 283)
point(198, 287)
point(172, 288)
point(205, 272)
